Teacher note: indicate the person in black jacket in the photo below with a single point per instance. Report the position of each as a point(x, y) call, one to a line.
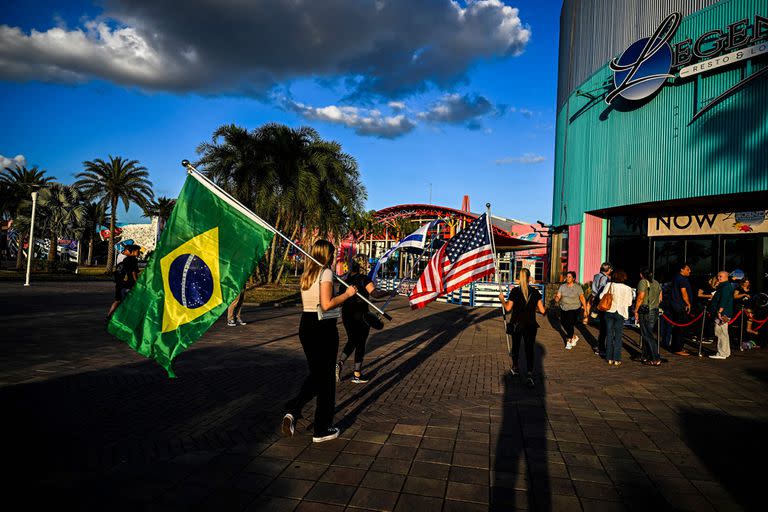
point(353, 314)
point(523, 302)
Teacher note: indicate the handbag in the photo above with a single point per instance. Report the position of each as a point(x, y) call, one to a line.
point(606, 300)
point(373, 321)
point(331, 314)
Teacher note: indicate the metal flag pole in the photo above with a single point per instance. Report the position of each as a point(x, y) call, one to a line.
point(211, 185)
point(498, 281)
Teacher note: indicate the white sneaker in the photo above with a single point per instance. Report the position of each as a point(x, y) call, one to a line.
point(287, 427)
point(331, 433)
point(568, 346)
point(716, 356)
point(574, 340)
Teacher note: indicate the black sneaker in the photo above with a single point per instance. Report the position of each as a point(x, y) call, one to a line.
point(287, 427)
point(359, 379)
point(328, 435)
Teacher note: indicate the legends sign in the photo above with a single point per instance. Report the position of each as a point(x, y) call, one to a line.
point(732, 223)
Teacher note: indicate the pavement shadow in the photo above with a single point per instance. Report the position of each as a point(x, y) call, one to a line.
point(715, 438)
point(521, 477)
point(445, 326)
point(132, 413)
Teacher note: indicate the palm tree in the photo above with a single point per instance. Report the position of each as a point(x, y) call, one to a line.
point(161, 208)
point(61, 212)
point(94, 215)
point(111, 182)
point(19, 182)
point(290, 177)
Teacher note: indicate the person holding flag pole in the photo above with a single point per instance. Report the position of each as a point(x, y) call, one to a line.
point(498, 278)
point(201, 263)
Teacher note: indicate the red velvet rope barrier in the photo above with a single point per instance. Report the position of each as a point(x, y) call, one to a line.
point(734, 318)
point(665, 317)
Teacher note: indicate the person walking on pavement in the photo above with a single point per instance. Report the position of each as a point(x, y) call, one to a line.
point(722, 310)
point(126, 274)
point(233, 311)
point(646, 314)
point(523, 302)
point(319, 338)
point(599, 284)
point(616, 315)
point(681, 303)
point(570, 298)
point(353, 314)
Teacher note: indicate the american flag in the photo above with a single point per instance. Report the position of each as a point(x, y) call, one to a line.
point(467, 257)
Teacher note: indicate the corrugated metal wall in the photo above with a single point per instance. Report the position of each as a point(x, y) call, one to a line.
point(606, 158)
point(593, 246)
point(592, 32)
point(574, 247)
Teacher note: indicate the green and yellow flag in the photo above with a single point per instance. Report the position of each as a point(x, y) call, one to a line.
point(206, 252)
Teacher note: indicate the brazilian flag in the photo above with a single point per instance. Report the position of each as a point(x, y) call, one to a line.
point(209, 247)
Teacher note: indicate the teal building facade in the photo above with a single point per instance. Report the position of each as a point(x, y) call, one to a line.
point(662, 136)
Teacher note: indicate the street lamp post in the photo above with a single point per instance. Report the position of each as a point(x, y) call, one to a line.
point(31, 237)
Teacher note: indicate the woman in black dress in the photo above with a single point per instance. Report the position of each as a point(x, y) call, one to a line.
point(523, 302)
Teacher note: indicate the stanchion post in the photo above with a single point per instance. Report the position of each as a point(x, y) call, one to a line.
point(741, 329)
point(658, 332)
point(701, 338)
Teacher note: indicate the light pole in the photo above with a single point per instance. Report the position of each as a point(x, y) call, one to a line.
point(31, 249)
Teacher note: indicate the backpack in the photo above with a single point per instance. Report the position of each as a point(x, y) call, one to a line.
point(120, 275)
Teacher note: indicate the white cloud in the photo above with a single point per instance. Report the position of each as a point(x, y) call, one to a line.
point(248, 47)
point(526, 159)
point(19, 160)
point(457, 109)
point(364, 121)
point(396, 105)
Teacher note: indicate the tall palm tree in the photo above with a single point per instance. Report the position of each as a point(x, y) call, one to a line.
point(61, 212)
point(290, 177)
point(112, 182)
point(161, 208)
point(94, 215)
point(19, 182)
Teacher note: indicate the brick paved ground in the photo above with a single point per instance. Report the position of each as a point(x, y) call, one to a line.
point(441, 425)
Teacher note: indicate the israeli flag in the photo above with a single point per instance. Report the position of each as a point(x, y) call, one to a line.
point(415, 240)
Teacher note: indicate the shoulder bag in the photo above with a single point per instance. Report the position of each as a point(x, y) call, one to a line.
point(331, 314)
point(606, 301)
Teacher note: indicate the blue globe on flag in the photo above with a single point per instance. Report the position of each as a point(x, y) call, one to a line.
point(190, 281)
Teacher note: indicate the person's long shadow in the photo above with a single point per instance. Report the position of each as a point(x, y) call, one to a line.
point(133, 413)
point(521, 468)
point(445, 326)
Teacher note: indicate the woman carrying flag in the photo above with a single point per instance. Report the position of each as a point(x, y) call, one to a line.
point(319, 338)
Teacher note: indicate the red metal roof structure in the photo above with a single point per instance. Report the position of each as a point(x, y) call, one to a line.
point(503, 234)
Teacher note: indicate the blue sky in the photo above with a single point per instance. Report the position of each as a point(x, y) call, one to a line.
point(460, 96)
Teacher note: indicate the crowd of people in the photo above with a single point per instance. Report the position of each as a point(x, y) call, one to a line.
point(671, 309)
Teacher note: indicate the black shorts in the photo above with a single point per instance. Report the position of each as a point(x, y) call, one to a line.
point(120, 293)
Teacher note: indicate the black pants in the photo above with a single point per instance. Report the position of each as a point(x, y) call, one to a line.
point(568, 319)
point(357, 335)
point(528, 335)
point(603, 332)
point(679, 316)
point(320, 341)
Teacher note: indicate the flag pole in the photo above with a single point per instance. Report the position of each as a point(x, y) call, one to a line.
point(498, 281)
point(240, 206)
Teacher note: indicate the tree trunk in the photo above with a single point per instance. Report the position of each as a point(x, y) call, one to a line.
point(111, 248)
point(20, 252)
point(275, 240)
point(51, 250)
point(285, 253)
point(89, 261)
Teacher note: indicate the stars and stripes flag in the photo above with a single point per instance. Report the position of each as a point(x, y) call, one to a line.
point(466, 257)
